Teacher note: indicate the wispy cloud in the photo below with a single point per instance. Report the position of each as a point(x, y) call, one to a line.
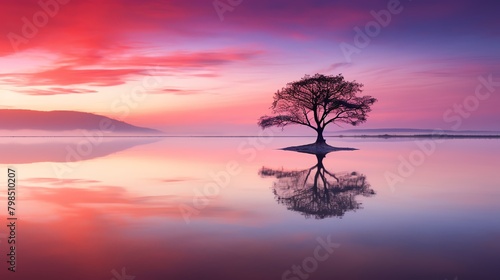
point(177, 179)
point(117, 70)
point(55, 91)
point(177, 91)
point(60, 182)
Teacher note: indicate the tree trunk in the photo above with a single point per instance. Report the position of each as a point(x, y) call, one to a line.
point(320, 158)
point(320, 139)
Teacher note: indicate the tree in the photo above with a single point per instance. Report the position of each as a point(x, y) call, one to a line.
point(318, 193)
point(318, 101)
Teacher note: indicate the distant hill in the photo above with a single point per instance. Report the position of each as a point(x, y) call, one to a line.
point(14, 119)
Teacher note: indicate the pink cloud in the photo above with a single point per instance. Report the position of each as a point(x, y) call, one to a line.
point(177, 179)
point(59, 182)
point(177, 91)
point(56, 91)
point(119, 26)
point(70, 76)
point(111, 71)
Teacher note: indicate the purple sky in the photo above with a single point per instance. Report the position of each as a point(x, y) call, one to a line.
point(213, 68)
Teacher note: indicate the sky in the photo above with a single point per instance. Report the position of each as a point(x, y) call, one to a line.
point(212, 67)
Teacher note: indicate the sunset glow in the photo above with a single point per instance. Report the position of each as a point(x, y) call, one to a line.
point(249, 139)
point(176, 66)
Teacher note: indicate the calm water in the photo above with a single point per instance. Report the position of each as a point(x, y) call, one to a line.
point(237, 208)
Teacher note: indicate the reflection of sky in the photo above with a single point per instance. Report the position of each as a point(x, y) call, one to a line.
point(121, 210)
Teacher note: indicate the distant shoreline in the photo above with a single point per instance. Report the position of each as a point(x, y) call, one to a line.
point(383, 136)
point(446, 136)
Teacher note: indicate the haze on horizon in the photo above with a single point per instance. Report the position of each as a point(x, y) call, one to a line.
point(177, 67)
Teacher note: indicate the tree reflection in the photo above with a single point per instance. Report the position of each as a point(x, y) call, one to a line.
point(318, 193)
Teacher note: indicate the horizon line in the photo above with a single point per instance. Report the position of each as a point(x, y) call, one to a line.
point(449, 136)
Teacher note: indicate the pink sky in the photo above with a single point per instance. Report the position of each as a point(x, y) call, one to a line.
point(176, 66)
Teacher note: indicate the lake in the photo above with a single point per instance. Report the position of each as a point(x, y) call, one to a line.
point(240, 208)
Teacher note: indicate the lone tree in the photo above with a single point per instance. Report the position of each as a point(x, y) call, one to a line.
point(318, 101)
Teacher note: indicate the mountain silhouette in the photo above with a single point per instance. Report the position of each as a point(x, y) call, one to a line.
point(18, 119)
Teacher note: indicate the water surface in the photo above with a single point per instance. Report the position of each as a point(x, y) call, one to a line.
point(239, 208)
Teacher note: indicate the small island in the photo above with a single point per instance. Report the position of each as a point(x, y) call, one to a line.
point(317, 101)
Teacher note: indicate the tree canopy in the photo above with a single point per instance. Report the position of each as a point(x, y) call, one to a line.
point(316, 101)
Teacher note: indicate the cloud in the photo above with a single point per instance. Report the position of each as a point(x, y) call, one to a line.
point(60, 182)
point(55, 91)
point(70, 76)
point(176, 180)
point(185, 59)
point(122, 25)
point(176, 91)
point(112, 70)
point(334, 67)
